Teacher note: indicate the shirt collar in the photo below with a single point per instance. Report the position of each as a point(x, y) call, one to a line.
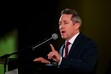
point(73, 38)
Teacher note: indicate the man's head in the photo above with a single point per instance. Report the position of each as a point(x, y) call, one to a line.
point(69, 23)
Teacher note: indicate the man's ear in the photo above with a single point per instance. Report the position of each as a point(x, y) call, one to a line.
point(77, 25)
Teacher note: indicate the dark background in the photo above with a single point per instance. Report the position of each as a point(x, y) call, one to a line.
point(34, 23)
point(38, 20)
point(33, 20)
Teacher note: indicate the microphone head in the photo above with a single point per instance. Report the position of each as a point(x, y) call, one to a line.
point(54, 36)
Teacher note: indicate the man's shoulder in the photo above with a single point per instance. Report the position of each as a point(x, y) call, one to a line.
point(84, 38)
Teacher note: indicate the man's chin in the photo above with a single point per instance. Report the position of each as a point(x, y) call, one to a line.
point(63, 37)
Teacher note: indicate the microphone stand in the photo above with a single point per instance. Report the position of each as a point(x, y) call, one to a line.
point(5, 57)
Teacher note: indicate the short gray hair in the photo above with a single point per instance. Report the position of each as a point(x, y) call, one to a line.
point(75, 16)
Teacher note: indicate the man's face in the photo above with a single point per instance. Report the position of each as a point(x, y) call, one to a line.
point(67, 27)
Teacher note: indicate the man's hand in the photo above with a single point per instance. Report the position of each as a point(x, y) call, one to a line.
point(42, 60)
point(54, 55)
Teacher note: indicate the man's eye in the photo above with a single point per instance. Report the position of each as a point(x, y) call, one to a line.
point(65, 23)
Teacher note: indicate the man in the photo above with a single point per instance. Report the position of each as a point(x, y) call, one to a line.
point(82, 54)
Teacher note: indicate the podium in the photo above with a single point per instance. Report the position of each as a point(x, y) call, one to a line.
point(29, 68)
point(17, 67)
point(15, 71)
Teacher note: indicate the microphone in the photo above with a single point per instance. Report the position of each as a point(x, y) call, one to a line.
point(53, 37)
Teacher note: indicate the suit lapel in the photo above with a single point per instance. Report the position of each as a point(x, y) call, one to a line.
point(75, 44)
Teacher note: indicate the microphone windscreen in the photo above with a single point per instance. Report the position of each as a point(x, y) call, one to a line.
point(54, 36)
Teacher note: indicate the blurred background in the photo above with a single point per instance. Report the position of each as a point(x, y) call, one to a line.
point(26, 24)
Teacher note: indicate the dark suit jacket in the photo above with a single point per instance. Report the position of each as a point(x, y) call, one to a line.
point(82, 57)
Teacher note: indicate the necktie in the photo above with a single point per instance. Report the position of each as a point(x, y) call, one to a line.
point(66, 49)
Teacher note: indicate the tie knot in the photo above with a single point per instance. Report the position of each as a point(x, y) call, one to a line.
point(67, 43)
